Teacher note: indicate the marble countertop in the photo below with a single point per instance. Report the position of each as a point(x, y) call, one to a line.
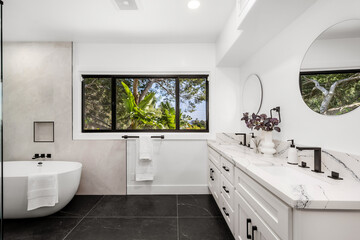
point(298, 187)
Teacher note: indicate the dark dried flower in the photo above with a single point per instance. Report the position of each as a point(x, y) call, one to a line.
point(261, 121)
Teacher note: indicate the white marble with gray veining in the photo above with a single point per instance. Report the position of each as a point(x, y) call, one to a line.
point(309, 191)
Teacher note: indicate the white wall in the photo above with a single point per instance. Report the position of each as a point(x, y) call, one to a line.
point(181, 164)
point(328, 54)
point(278, 64)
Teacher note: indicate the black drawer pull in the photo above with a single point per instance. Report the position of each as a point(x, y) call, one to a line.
point(226, 169)
point(211, 174)
point(226, 213)
point(248, 236)
point(227, 191)
point(254, 228)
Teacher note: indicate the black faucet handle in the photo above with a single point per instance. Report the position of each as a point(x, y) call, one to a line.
point(309, 148)
point(303, 165)
point(335, 175)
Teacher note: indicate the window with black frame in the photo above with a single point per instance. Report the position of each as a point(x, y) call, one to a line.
point(145, 103)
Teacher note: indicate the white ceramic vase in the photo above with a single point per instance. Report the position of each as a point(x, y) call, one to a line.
point(267, 145)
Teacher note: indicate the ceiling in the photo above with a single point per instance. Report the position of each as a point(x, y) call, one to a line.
point(346, 29)
point(156, 21)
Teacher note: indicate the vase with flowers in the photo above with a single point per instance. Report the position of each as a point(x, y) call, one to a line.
point(267, 125)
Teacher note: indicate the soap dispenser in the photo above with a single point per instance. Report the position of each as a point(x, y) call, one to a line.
point(252, 142)
point(292, 154)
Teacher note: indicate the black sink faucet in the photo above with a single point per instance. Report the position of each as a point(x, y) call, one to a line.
point(243, 134)
point(317, 157)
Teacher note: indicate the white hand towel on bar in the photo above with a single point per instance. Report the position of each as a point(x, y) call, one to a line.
point(144, 170)
point(145, 148)
point(42, 190)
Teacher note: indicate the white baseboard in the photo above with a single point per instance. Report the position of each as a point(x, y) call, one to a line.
point(167, 189)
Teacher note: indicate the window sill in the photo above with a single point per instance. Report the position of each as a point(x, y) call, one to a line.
point(118, 136)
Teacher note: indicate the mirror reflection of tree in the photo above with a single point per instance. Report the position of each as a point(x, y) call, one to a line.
point(331, 93)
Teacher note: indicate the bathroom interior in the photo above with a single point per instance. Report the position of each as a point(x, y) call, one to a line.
point(180, 120)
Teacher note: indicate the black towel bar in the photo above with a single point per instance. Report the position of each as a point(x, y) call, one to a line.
point(126, 136)
point(161, 136)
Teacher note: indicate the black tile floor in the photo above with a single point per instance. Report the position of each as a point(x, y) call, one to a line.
point(149, 217)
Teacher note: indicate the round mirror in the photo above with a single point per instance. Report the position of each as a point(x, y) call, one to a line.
point(330, 71)
point(252, 94)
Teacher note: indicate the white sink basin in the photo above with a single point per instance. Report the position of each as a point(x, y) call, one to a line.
point(260, 163)
point(291, 175)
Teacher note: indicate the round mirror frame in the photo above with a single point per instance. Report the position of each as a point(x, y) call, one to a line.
point(340, 70)
point(261, 89)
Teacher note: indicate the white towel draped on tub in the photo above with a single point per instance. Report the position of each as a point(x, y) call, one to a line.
point(42, 190)
point(144, 163)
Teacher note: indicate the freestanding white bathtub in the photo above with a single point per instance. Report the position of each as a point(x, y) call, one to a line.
point(15, 186)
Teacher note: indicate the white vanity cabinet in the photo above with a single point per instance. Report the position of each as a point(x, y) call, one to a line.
point(227, 190)
point(248, 224)
point(253, 212)
point(275, 213)
point(227, 170)
point(256, 206)
point(221, 185)
point(214, 181)
point(246, 204)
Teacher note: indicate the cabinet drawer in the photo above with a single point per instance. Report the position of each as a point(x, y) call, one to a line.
point(214, 157)
point(228, 213)
point(246, 219)
point(227, 169)
point(276, 214)
point(227, 190)
point(214, 181)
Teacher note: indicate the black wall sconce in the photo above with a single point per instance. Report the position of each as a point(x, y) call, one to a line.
point(276, 109)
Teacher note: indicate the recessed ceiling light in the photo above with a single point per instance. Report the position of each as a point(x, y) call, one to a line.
point(126, 3)
point(193, 4)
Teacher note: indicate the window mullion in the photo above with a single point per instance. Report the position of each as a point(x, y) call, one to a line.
point(113, 104)
point(177, 101)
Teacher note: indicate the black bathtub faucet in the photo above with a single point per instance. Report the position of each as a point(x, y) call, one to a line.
point(42, 155)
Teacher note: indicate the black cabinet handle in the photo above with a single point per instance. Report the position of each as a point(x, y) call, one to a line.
point(248, 236)
point(226, 169)
point(224, 209)
point(211, 174)
point(227, 191)
point(254, 228)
